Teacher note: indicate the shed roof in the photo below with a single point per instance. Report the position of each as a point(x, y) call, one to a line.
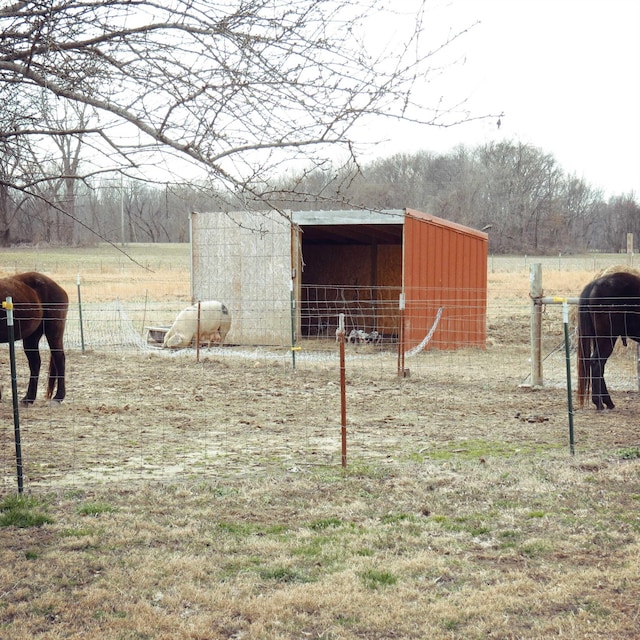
point(354, 216)
point(364, 226)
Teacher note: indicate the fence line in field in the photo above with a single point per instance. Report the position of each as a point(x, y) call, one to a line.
point(562, 262)
point(137, 411)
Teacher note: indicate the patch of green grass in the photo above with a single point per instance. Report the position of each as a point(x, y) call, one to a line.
point(346, 621)
point(95, 508)
point(479, 530)
point(394, 518)
point(462, 524)
point(282, 574)
point(101, 615)
point(595, 608)
point(451, 624)
point(359, 469)
point(231, 569)
point(325, 523)
point(75, 494)
point(313, 548)
point(21, 511)
point(208, 488)
point(477, 449)
point(503, 504)
point(276, 530)
point(508, 539)
point(77, 532)
point(244, 529)
point(533, 548)
point(327, 548)
point(629, 453)
point(237, 529)
point(374, 579)
point(46, 611)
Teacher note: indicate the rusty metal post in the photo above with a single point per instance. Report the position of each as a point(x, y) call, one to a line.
point(343, 390)
point(198, 335)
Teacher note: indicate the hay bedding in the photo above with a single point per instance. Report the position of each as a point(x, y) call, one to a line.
point(143, 416)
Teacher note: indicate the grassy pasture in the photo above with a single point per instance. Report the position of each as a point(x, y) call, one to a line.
point(486, 527)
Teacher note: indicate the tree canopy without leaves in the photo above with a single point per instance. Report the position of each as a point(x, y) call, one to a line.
point(238, 88)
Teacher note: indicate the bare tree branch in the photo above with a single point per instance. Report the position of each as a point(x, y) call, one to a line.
point(236, 87)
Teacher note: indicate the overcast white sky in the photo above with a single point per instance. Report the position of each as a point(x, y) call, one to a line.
point(566, 74)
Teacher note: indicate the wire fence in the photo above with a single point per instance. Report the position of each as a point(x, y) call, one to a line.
point(137, 411)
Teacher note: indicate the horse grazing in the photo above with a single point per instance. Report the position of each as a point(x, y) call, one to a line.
point(608, 309)
point(39, 308)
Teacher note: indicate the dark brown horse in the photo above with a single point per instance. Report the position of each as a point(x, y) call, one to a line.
point(608, 309)
point(39, 308)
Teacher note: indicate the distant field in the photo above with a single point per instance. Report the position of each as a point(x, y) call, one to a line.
point(159, 271)
point(133, 272)
point(591, 262)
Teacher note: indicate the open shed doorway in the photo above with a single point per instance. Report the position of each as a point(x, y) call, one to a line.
point(351, 263)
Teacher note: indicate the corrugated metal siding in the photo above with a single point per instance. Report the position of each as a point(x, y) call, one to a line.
point(444, 267)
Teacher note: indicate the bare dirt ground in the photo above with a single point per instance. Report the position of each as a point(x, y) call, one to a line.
point(146, 416)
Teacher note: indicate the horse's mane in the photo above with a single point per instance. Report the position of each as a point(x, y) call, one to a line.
point(616, 268)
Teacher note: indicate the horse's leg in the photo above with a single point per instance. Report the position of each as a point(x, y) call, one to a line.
point(31, 350)
point(606, 398)
point(56, 374)
point(54, 331)
point(599, 392)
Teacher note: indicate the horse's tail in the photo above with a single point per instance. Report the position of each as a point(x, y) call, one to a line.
point(586, 332)
point(53, 379)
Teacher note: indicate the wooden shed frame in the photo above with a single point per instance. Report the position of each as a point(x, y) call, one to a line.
point(264, 266)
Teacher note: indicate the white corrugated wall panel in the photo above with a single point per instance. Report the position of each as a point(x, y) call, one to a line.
point(243, 259)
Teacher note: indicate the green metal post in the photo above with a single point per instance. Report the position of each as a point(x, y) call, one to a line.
point(293, 326)
point(567, 353)
point(8, 306)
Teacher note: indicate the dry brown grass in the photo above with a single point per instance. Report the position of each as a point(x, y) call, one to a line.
point(481, 525)
point(132, 272)
point(517, 548)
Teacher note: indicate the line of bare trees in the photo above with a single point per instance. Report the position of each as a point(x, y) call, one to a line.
point(163, 90)
point(518, 191)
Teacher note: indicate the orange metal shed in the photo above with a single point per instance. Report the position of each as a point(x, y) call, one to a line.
point(297, 275)
point(439, 267)
point(444, 281)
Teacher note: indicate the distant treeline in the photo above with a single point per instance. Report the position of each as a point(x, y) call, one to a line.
point(521, 193)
